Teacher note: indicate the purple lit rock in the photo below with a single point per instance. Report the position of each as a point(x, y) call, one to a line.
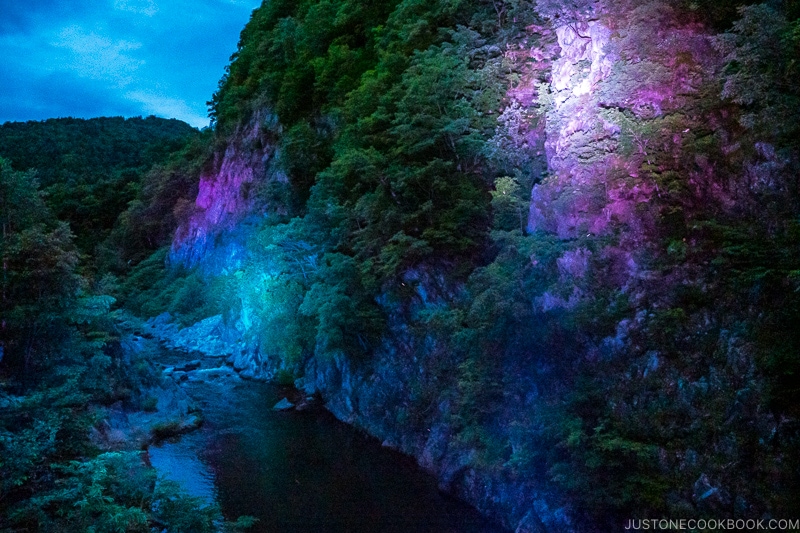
point(215, 234)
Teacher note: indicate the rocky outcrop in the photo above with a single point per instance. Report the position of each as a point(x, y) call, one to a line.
point(210, 337)
point(157, 411)
point(611, 105)
point(231, 199)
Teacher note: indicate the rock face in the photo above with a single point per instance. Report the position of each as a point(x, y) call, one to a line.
point(164, 408)
point(608, 122)
point(210, 337)
point(229, 200)
point(372, 400)
point(602, 94)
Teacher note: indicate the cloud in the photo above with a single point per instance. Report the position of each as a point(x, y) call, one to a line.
point(87, 58)
point(99, 57)
point(164, 106)
point(140, 7)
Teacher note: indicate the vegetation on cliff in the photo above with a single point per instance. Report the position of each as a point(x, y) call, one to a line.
point(61, 361)
point(584, 261)
point(644, 319)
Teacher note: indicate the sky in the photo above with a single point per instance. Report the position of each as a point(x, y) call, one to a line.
point(90, 58)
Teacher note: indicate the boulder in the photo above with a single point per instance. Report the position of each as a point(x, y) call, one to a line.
point(283, 405)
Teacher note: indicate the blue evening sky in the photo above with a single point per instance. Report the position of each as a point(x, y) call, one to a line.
point(89, 58)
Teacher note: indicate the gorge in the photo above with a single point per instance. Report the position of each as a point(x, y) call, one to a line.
point(548, 249)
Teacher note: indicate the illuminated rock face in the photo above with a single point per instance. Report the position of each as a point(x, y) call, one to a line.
point(228, 198)
point(581, 41)
point(579, 142)
point(617, 83)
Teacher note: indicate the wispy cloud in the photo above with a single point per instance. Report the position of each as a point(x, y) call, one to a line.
point(115, 57)
point(99, 57)
point(140, 7)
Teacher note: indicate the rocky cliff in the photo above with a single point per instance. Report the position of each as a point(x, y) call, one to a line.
point(599, 362)
point(231, 198)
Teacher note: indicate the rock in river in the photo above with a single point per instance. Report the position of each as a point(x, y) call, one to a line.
point(283, 405)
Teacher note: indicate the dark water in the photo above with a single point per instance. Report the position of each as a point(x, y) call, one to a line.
point(303, 471)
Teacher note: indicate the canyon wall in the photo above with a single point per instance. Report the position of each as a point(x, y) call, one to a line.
point(623, 100)
point(230, 200)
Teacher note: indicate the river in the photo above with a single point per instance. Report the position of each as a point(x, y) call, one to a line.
point(302, 471)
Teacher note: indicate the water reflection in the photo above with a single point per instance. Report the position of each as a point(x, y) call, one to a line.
point(179, 461)
point(303, 471)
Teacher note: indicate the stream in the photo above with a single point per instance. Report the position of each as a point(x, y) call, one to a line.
point(302, 471)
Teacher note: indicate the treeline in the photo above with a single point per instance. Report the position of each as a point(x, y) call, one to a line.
point(91, 169)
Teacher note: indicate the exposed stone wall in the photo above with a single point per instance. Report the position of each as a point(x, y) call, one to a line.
point(215, 235)
point(594, 153)
point(372, 398)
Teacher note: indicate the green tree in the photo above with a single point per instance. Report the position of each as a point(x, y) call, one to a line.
point(91, 169)
point(509, 209)
point(761, 51)
point(39, 279)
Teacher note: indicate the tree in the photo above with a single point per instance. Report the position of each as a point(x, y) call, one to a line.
point(761, 52)
point(39, 272)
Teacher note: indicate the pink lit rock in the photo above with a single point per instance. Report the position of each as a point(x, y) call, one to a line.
point(619, 110)
point(574, 263)
point(595, 185)
point(227, 196)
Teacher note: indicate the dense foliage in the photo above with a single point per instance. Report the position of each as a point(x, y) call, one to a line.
point(91, 169)
point(164, 198)
point(385, 112)
point(664, 383)
point(413, 174)
point(60, 357)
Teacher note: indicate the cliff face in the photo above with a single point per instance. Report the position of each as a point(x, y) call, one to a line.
point(630, 375)
point(230, 198)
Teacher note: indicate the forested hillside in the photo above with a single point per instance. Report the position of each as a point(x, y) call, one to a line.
point(91, 169)
point(62, 363)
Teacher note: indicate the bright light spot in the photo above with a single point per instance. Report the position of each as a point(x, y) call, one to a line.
point(584, 87)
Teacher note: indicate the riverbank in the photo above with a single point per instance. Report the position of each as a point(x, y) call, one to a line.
point(298, 468)
point(150, 415)
point(302, 470)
